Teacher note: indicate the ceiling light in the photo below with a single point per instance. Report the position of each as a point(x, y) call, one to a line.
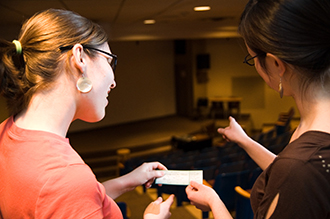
point(202, 8)
point(149, 21)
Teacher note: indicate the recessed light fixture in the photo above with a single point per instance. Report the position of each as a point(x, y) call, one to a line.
point(202, 8)
point(149, 21)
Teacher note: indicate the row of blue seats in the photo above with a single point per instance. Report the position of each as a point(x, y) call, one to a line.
point(213, 160)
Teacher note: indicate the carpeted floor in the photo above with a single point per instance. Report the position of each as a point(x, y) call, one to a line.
point(135, 134)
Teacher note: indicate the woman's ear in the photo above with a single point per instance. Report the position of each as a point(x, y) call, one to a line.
point(275, 65)
point(78, 57)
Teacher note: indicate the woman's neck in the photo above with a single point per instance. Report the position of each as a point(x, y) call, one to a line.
point(314, 115)
point(51, 111)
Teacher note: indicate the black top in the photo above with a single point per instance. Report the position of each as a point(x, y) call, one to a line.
point(301, 176)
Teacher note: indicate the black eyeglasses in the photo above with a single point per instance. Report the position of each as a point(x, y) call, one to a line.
point(112, 63)
point(249, 60)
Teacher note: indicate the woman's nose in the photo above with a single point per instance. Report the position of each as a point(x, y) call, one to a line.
point(113, 85)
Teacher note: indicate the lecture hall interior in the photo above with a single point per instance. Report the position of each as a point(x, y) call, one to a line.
point(180, 75)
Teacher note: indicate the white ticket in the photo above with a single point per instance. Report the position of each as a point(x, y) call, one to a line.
point(180, 177)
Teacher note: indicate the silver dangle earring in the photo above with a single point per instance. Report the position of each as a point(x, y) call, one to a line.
point(84, 85)
point(280, 88)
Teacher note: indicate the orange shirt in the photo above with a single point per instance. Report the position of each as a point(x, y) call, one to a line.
point(41, 176)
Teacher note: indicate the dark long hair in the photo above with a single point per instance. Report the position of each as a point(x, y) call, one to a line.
point(296, 31)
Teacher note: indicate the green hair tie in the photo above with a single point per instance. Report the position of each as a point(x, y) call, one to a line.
point(18, 46)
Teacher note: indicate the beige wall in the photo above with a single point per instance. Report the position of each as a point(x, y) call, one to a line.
point(146, 89)
point(227, 57)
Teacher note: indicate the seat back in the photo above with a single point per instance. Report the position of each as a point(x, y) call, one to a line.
point(225, 184)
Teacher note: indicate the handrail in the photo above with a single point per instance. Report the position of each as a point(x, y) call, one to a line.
point(242, 192)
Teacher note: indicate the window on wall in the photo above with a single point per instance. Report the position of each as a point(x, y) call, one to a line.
point(252, 91)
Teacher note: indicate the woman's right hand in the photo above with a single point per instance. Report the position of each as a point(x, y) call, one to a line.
point(234, 132)
point(159, 209)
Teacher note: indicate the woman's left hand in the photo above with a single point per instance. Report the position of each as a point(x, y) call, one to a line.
point(201, 196)
point(146, 174)
point(142, 175)
point(206, 199)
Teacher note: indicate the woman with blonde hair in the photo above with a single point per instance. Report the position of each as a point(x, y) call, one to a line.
point(60, 69)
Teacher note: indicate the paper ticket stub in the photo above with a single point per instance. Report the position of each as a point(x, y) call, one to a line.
point(180, 177)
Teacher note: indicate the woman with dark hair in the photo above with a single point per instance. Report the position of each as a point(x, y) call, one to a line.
point(60, 69)
point(289, 44)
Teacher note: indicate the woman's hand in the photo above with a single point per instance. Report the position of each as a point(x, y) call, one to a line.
point(201, 196)
point(159, 209)
point(206, 199)
point(146, 174)
point(234, 132)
